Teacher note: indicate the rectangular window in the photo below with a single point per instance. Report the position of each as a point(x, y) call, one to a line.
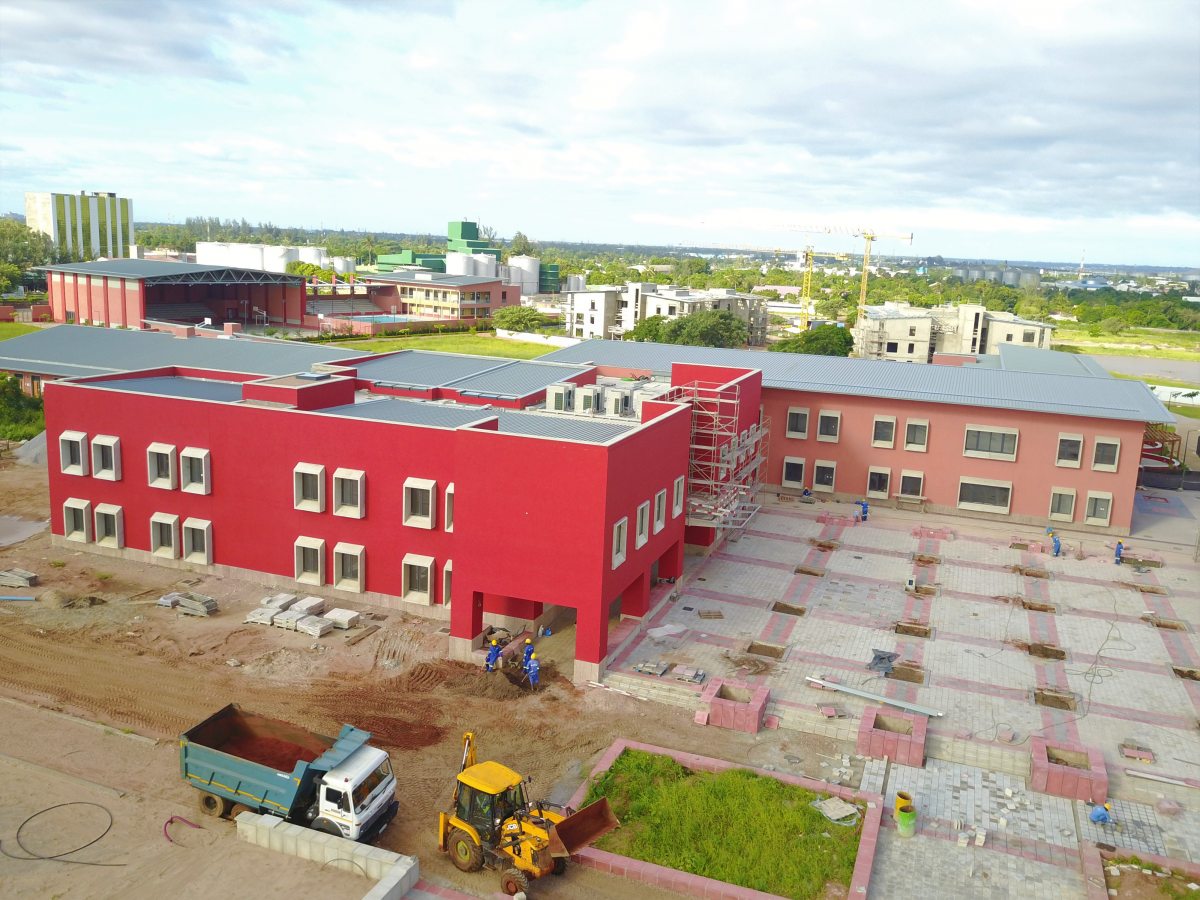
point(161, 471)
point(72, 459)
point(642, 531)
point(912, 330)
point(1062, 504)
point(310, 560)
point(197, 541)
point(912, 484)
point(110, 526)
point(449, 512)
point(420, 503)
point(1106, 453)
point(916, 435)
point(620, 537)
point(912, 348)
point(348, 566)
point(984, 496)
point(793, 472)
point(447, 581)
point(883, 432)
point(1099, 508)
point(878, 481)
point(660, 511)
point(797, 422)
point(990, 443)
point(828, 426)
point(824, 473)
point(1029, 337)
point(893, 347)
point(677, 498)
point(194, 470)
point(106, 457)
point(417, 579)
point(164, 535)
point(349, 493)
point(77, 520)
point(1070, 450)
point(308, 487)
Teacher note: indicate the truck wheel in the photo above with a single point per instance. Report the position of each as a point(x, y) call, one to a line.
point(560, 866)
point(513, 881)
point(237, 809)
point(212, 805)
point(466, 855)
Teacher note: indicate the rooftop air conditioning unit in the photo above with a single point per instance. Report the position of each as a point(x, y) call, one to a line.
point(589, 399)
point(560, 397)
point(614, 403)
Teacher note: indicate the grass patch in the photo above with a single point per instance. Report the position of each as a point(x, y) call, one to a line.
point(1153, 351)
point(20, 416)
point(1165, 382)
point(1167, 339)
point(14, 329)
point(735, 826)
point(473, 344)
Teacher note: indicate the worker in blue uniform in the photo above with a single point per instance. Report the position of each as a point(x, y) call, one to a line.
point(1057, 543)
point(493, 655)
point(865, 509)
point(532, 668)
point(1101, 814)
point(528, 653)
point(1119, 552)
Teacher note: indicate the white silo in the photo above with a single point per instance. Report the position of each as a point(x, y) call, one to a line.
point(343, 265)
point(485, 264)
point(460, 264)
point(244, 256)
point(576, 282)
point(527, 269)
point(212, 253)
point(314, 255)
point(276, 258)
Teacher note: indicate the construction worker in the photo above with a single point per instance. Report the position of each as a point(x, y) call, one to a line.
point(1057, 543)
point(1119, 552)
point(528, 654)
point(532, 667)
point(865, 509)
point(1101, 815)
point(493, 655)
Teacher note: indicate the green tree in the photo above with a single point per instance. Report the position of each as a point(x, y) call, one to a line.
point(517, 318)
point(23, 247)
point(649, 329)
point(521, 245)
point(10, 276)
point(824, 340)
point(707, 328)
point(20, 415)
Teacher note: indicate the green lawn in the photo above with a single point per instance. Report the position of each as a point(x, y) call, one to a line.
point(1149, 379)
point(1155, 337)
point(735, 826)
point(474, 344)
point(14, 329)
point(1155, 352)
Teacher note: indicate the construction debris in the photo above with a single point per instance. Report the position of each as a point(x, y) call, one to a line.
point(689, 674)
point(358, 636)
point(657, 669)
point(867, 695)
point(18, 578)
point(196, 604)
point(837, 810)
point(882, 661)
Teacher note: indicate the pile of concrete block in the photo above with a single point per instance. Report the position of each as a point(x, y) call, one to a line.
point(279, 601)
point(342, 618)
point(196, 604)
point(264, 615)
point(314, 625)
point(288, 619)
point(311, 606)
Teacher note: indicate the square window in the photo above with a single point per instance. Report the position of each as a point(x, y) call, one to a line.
point(194, 471)
point(77, 520)
point(984, 496)
point(449, 513)
point(1106, 452)
point(161, 471)
point(916, 435)
point(110, 526)
point(1099, 508)
point(308, 487)
point(878, 482)
point(197, 541)
point(883, 433)
point(1070, 450)
point(660, 511)
point(416, 579)
point(1062, 504)
point(420, 503)
point(793, 472)
point(893, 347)
point(349, 493)
point(990, 443)
point(828, 426)
point(164, 535)
point(824, 473)
point(677, 498)
point(797, 422)
point(1029, 337)
point(642, 532)
point(349, 566)
point(310, 560)
point(106, 457)
point(912, 484)
point(72, 458)
point(620, 538)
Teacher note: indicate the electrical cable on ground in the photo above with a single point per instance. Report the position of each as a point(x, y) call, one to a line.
point(58, 857)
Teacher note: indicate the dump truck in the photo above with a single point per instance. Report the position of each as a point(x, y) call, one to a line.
point(240, 761)
point(493, 824)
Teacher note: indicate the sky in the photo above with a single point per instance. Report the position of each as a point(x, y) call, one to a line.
point(1050, 130)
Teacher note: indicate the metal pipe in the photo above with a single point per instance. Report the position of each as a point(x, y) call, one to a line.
point(1150, 776)
point(879, 698)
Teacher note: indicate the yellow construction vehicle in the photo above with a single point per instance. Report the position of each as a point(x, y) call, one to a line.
point(493, 824)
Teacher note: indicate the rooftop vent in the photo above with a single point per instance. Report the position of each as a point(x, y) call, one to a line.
point(313, 376)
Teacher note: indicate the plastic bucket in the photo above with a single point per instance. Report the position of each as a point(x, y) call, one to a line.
point(903, 798)
point(906, 821)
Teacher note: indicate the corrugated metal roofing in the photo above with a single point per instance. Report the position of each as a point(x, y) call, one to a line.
point(1071, 395)
point(1018, 358)
point(563, 427)
point(149, 269)
point(422, 368)
point(516, 379)
point(412, 412)
point(171, 386)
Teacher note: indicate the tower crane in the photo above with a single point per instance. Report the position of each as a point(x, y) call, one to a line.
point(870, 237)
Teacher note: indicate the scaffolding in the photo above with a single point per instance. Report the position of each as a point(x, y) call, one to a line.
point(725, 463)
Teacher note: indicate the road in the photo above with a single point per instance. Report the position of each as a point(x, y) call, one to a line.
point(1151, 367)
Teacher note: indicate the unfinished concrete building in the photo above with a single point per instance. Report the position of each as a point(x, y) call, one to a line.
point(608, 312)
point(906, 333)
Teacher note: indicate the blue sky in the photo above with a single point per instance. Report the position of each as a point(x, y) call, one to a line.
point(1016, 130)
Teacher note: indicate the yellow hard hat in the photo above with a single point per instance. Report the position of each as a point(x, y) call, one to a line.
point(493, 642)
point(529, 640)
point(533, 656)
point(1108, 806)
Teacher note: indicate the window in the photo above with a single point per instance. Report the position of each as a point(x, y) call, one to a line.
point(916, 435)
point(449, 513)
point(677, 498)
point(420, 510)
point(620, 536)
point(106, 457)
point(160, 467)
point(1062, 504)
point(1099, 508)
point(416, 579)
point(793, 472)
point(797, 422)
point(349, 493)
point(660, 511)
point(197, 541)
point(878, 481)
point(1029, 337)
point(110, 526)
point(893, 347)
point(824, 471)
point(1070, 450)
point(310, 560)
point(912, 349)
point(828, 426)
point(1105, 454)
point(71, 458)
point(912, 484)
point(77, 520)
point(641, 533)
point(194, 471)
point(308, 487)
point(912, 330)
point(984, 496)
point(884, 432)
point(164, 535)
point(349, 566)
point(990, 443)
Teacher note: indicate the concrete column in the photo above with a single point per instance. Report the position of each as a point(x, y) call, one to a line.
point(591, 640)
point(635, 599)
point(670, 564)
point(466, 625)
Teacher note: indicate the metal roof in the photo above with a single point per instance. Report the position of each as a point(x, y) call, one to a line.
point(156, 271)
point(482, 375)
point(433, 278)
point(1071, 395)
point(1019, 358)
point(412, 412)
point(518, 378)
point(177, 386)
point(563, 427)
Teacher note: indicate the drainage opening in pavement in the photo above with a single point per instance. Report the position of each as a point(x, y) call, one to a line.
point(772, 650)
point(913, 629)
point(907, 671)
point(1144, 588)
point(788, 610)
point(1019, 545)
point(1185, 672)
point(1076, 759)
point(1035, 606)
point(824, 545)
point(925, 559)
point(1047, 651)
point(1169, 624)
point(810, 570)
point(1029, 571)
point(893, 724)
point(1054, 699)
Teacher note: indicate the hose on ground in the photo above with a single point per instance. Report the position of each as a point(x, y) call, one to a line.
point(58, 857)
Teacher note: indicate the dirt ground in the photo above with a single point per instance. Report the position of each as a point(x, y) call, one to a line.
point(119, 660)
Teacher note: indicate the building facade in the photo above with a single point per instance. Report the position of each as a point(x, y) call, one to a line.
point(607, 312)
point(441, 296)
point(906, 333)
point(83, 226)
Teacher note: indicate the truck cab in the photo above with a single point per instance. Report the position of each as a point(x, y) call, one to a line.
point(354, 795)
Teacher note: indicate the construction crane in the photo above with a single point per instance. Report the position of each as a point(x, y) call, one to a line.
point(870, 237)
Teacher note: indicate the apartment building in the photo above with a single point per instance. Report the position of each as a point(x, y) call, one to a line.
point(83, 225)
point(442, 296)
point(906, 333)
point(608, 312)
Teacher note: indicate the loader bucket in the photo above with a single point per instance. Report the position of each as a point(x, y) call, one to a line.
point(579, 830)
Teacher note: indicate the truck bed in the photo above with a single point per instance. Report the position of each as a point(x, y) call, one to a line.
point(258, 739)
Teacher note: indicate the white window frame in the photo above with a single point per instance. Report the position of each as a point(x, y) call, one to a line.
point(204, 485)
point(660, 511)
point(982, 507)
point(113, 443)
point(447, 582)
point(828, 464)
point(876, 470)
point(80, 440)
point(1096, 520)
point(875, 442)
point(448, 508)
point(837, 417)
point(783, 479)
point(309, 543)
point(788, 423)
point(1105, 467)
point(358, 553)
point(171, 520)
point(910, 473)
point(298, 499)
point(620, 541)
point(642, 530)
point(677, 498)
point(992, 429)
point(914, 447)
point(1062, 517)
point(410, 594)
point(350, 510)
point(156, 481)
point(117, 540)
point(204, 526)
point(428, 522)
point(1066, 463)
point(84, 507)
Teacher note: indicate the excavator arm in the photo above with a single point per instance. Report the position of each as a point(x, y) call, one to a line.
point(468, 758)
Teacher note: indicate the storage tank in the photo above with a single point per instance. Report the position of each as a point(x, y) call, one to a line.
point(459, 263)
point(576, 282)
point(244, 256)
point(314, 255)
point(527, 268)
point(485, 264)
point(276, 258)
point(212, 253)
point(343, 265)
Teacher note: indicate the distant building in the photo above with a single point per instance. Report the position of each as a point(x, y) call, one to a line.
point(420, 293)
point(268, 257)
point(608, 312)
point(468, 254)
point(907, 333)
point(84, 226)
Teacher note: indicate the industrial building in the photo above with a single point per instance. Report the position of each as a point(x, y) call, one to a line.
point(906, 333)
point(83, 225)
point(268, 257)
point(608, 311)
point(469, 254)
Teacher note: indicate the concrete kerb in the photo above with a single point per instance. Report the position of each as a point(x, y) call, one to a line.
point(1094, 860)
point(698, 886)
